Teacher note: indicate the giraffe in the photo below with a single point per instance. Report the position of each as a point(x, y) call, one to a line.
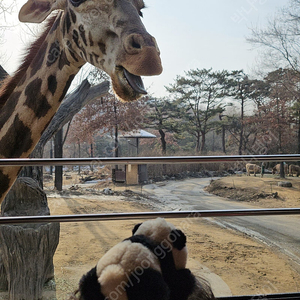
point(108, 34)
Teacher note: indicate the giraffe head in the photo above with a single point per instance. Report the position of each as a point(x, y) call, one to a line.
point(109, 34)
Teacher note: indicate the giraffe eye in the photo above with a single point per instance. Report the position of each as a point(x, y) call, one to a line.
point(76, 3)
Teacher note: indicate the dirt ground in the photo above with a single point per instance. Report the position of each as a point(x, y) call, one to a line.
point(246, 266)
point(263, 192)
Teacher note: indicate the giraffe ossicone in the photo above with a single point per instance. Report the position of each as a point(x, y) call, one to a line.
point(109, 34)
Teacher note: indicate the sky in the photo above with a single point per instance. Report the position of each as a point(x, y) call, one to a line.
point(190, 34)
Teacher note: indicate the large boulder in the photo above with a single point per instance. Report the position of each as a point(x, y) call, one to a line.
point(26, 250)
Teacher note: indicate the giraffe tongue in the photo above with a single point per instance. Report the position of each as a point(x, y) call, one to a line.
point(135, 82)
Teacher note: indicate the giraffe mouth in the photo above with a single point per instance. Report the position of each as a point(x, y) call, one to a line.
point(127, 86)
point(135, 82)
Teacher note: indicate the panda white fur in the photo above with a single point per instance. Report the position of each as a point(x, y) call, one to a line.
point(149, 265)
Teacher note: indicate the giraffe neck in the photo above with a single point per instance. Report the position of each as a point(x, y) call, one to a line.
point(35, 99)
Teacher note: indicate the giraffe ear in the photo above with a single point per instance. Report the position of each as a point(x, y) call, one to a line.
point(36, 11)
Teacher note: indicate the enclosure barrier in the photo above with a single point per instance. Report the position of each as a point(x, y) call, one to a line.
point(165, 214)
point(146, 160)
point(150, 215)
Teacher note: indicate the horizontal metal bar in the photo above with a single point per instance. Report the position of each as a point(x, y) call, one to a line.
point(283, 296)
point(149, 215)
point(147, 160)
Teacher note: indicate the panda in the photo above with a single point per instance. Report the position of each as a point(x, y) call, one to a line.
point(151, 264)
point(171, 250)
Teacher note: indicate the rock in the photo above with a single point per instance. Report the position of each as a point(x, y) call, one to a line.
point(285, 184)
point(108, 191)
point(74, 187)
point(26, 250)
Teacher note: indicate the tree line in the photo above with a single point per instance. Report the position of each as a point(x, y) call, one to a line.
point(231, 112)
point(243, 115)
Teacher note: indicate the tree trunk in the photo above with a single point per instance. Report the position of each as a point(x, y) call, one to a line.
point(58, 153)
point(242, 128)
point(35, 172)
point(198, 143)
point(26, 250)
point(282, 175)
point(163, 149)
point(203, 141)
point(223, 139)
point(163, 142)
point(51, 155)
point(298, 144)
point(79, 155)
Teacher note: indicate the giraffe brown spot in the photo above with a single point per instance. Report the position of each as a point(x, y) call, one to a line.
point(35, 99)
point(17, 140)
point(8, 108)
point(67, 22)
point(77, 3)
point(82, 34)
point(73, 16)
point(92, 59)
point(91, 39)
point(75, 37)
point(53, 54)
point(76, 40)
point(4, 183)
point(121, 23)
point(102, 47)
point(38, 62)
point(96, 57)
point(110, 34)
point(63, 60)
point(52, 84)
point(71, 51)
point(68, 83)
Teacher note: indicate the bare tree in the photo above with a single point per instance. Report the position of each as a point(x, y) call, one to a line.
point(6, 8)
point(280, 39)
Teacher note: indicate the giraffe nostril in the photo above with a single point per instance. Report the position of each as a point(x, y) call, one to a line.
point(134, 43)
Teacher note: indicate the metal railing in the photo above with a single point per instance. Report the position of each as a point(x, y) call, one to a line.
point(150, 215)
point(147, 160)
point(165, 214)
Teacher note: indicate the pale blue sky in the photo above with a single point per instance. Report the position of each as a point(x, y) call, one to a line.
point(190, 34)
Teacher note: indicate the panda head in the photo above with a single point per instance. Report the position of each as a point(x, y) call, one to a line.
point(167, 237)
point(128, 271)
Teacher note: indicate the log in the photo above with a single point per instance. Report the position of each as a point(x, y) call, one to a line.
point(26, 250)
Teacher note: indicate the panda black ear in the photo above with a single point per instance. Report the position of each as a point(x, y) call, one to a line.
point(89, 286)
point(135, 228)
point(178, 238)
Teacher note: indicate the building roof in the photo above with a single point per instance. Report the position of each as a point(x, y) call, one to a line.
point(139, 133)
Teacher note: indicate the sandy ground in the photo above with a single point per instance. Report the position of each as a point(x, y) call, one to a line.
point(246, 266)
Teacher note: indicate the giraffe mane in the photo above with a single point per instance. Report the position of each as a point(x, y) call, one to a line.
point(10, 83)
